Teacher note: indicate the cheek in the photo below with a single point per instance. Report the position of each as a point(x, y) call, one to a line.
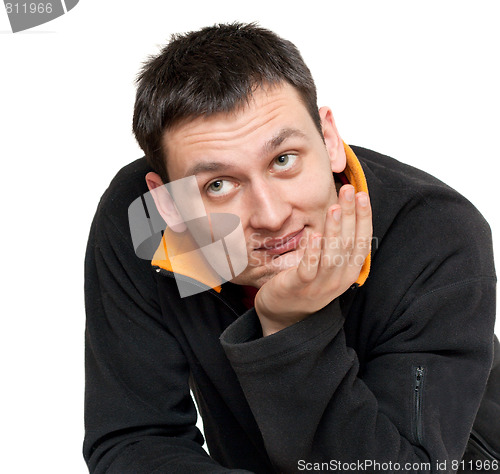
point(317, 192)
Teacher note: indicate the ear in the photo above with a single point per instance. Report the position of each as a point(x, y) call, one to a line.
point(164, 203)
point(333, 142)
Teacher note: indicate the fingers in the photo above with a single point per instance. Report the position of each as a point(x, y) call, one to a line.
point(339, 255)
point(347, 239)
point(364, 229)
point(332, 251)
point(348, 204)
point(308, 265)
point(340, 229)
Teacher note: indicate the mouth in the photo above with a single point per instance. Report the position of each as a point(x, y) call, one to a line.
point(283, 244)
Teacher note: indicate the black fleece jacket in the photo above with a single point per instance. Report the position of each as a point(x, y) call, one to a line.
point(391, 372)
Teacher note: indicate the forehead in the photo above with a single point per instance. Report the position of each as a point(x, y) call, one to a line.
point(221, 136)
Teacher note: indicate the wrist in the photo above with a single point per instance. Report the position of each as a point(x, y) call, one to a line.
point(271, 327)
point(272, 323)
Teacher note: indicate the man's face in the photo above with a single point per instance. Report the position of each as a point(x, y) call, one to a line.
point(266, 163)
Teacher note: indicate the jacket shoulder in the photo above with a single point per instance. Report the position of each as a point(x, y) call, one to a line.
point(127, 185)
point(413, 189)
point(421, 222)
point(395, 174)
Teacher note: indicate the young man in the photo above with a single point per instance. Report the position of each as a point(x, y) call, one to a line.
point(323, 352)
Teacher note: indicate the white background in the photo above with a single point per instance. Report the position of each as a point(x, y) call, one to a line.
point(417, 81)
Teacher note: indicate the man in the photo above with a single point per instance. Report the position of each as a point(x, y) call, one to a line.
point(324, 352)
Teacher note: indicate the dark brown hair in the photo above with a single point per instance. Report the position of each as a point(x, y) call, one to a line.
point(212, 70)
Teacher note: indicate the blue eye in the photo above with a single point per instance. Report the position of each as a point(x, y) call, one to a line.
point(284, 162)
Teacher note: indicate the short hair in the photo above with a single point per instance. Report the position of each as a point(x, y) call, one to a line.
point(212, 70)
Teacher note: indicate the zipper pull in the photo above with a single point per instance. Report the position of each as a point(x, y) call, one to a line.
point(420, 374)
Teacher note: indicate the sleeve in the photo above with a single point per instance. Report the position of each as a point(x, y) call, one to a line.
point(139, 414)
point(408, 407)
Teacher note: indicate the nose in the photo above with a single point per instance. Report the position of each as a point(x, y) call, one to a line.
point(269, 207)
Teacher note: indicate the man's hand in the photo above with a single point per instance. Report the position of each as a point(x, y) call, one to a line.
point(330, 265)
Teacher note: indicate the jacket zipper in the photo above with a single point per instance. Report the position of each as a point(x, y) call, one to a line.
point(418, 387)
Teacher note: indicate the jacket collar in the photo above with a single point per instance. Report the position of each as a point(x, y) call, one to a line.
point(179, 253)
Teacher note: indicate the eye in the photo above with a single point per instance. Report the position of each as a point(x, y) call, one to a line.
point(220, 187)
point(284, 162)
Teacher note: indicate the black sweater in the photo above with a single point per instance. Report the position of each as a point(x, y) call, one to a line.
point(390, 372)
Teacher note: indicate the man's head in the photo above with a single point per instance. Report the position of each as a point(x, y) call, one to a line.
point(213, 70)
point(266, 155)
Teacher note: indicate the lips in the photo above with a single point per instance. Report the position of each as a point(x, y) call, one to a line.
point(283, 244)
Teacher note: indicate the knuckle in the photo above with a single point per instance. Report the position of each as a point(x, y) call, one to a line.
point(306, 277)
point(348, 211)
point(333, 260)
point(364, 211)
point(348, 242)
point(333, 243)
point(363, 242)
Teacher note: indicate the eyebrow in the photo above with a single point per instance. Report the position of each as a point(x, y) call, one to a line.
point(280, 137)
point(207, 167)
point(269, 147)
